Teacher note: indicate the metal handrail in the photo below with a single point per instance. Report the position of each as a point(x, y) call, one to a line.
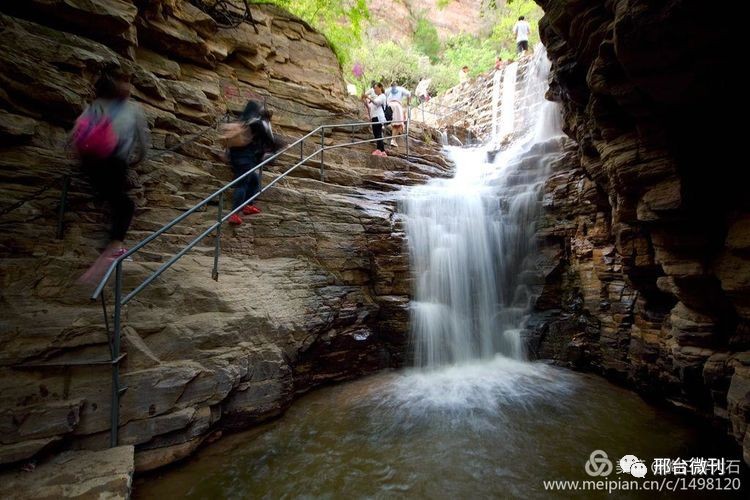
point(117, 268)
point(220, 191)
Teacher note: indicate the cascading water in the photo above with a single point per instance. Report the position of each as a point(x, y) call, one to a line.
point(496, 82)
point(508, 109)
point(471, 237)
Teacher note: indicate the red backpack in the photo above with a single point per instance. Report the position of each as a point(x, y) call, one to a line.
point(94, 137)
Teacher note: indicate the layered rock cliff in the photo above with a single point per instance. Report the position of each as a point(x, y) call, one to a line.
point(646, 220)
point(314, 289)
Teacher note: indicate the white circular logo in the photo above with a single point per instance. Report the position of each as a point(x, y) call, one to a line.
point(598, 464)
point(639, 469)
point(627, 462)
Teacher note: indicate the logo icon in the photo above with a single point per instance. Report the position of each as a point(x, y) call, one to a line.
point(598, 464)
point(630, 464)
point(639, 469)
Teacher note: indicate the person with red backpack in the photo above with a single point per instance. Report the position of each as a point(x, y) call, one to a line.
point(110, 135)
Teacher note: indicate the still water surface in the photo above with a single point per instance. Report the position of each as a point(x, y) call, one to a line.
point(493, 429)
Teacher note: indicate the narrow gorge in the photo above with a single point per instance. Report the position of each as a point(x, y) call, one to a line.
point(561, 250)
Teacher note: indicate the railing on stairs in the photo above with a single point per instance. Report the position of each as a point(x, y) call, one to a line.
point(121, 298)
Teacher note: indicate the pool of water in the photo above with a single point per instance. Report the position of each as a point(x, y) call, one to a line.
point(493, 429)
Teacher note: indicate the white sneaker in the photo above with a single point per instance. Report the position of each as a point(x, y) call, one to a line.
point(394, 143)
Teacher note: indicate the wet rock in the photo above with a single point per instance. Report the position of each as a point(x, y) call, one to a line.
point(656, 242)
point(75, 474)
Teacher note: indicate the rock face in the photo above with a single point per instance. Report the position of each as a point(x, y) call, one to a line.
point(314, 289)
point(646, 220)
point(106, 474)
point(466, 106)
point(397, 20)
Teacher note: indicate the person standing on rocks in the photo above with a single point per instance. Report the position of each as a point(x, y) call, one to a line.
point(247, 141)
point(111, 135)
point(395, 99)
point(522, 30)
point(376, 109)
point(463, 75)
point(422, 90)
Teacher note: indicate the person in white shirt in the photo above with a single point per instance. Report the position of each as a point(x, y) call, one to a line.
point(522, 30)
point(395, 97)
point(422, 90)
point(376, 110)
point(463, 74)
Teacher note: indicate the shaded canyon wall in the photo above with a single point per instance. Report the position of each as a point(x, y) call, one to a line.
point(645, 224)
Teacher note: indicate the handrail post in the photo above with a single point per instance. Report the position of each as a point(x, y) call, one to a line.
point(217, 243)
point(63, 202)
point(408, 119)
point(424, 103)
point(301, 149)
point(322, 149)
point(115, 409)
point(352, 138)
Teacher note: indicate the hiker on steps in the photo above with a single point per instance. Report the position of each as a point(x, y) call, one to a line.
point(396, 95)
point(110, 135)
point(247, 141)
point(376, 111)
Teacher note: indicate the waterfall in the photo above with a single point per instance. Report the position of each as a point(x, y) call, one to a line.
point(508, 108)
point(496, 79)
point(472, 237)
point(443, 137)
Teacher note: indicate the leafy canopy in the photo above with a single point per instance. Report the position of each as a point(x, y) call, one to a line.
point(341, 21)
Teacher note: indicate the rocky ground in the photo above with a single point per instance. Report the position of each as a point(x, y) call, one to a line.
point(313, 290)
point(105, 474)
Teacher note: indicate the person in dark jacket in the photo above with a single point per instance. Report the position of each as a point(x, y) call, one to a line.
point(257, 121)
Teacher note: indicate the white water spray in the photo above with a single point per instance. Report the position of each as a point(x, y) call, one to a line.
point(496, 82)
point(508, 108)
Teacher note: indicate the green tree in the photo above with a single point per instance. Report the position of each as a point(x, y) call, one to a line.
point(466, 50)
point(389, 61)
point(426, 39)
point(341, 21)
point(506, 16)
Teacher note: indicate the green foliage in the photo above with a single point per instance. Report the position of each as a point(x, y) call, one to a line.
point(389, 61)
point(341, 21)
point(426, 39)
point(344, 21)
point(443, 77)
point(466, 50)
point(506, 16)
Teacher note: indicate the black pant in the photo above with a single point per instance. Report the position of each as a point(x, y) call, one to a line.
point(522, 45)
point(377, 131)
point(109, 179)
point(247, 187)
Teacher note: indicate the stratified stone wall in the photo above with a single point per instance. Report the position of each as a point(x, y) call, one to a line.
point(648, 219)
point(314, 289)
